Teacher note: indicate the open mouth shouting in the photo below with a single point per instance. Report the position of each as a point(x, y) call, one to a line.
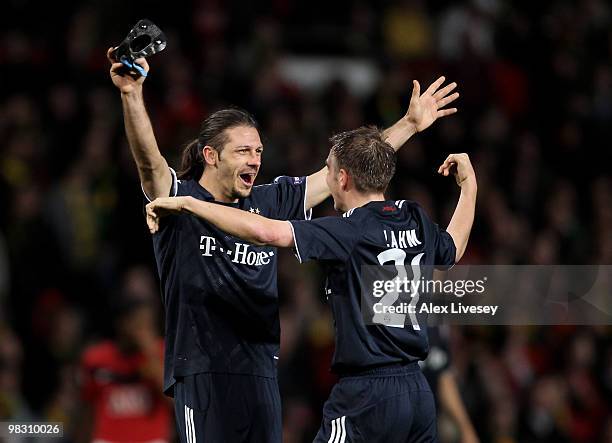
point(248, 178)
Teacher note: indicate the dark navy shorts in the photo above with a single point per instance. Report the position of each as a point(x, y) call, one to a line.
point(227, 408)
point(392, 404)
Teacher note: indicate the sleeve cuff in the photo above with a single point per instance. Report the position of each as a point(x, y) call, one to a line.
point(173, 188)
point(295, 243)
point(307, 212)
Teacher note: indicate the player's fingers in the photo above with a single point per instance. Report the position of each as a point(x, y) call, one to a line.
point(445, 90)
point(109, 54)
point(142, 62)
point(447, 170)
point(416, 89)
point(116, 66)
point(435, 85)
point(150, 208)
point(153, 228)
point(447, 163)
point(443, 170)
point(446, 100)
point(445, 112)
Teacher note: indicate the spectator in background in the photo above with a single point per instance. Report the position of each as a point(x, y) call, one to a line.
point(408, 32)
point(4, 272)
point(121, 385)
point(12, 403)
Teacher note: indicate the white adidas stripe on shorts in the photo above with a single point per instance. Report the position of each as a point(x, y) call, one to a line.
point(189, 427)
point(338, 432)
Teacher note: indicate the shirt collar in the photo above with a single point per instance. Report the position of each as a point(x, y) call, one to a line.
point(202, 193)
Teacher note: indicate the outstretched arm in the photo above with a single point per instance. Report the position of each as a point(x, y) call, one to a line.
point(250, 227)
point(423, 110)
point(152, 167)
point(461, 223)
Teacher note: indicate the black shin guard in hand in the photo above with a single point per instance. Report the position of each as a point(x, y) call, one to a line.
point(144, 40)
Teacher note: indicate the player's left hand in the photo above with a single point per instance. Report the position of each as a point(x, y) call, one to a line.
point(160, 207)
point(426, 108)
point(460, 166)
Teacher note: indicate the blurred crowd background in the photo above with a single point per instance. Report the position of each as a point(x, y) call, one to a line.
point(535, 115)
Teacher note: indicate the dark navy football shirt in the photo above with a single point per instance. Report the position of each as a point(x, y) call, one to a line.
point(220, 292)
point(374, 234)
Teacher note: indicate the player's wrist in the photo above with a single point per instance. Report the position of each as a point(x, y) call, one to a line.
point(469, 183)
point(133, 93)
point(183, 204)
point(186, 203)
point(409, 126)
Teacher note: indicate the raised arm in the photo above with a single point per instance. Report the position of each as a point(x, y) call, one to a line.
point(461, 223)
point(423, 110)
point(152, 167)
point(253, 228)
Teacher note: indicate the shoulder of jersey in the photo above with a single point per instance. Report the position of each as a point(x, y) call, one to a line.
point(405, 204)
point(389, 208)
point(355, 212)
point(284, 178)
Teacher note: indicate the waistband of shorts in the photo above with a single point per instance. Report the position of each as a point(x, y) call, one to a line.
point(382, 371)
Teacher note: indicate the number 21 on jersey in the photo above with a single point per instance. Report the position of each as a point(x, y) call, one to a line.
point(395, 320)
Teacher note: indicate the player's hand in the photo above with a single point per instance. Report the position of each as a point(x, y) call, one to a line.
point(426, 108)
point(160, 207)
point(460, 166)
point(126, 81)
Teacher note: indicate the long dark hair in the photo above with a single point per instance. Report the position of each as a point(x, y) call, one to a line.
point(212, 133)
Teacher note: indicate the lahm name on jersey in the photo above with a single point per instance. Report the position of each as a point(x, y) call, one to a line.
point(401, 239)
point(241, 254)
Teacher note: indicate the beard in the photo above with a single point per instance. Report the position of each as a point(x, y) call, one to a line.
point(239, 190)
point(241, 193)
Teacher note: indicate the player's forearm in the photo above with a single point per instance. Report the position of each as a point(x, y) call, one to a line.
point(398, 134)
point(253, 228)
point(461, 223)
point(152, 167)
point(316, 188)
point(451, 402)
